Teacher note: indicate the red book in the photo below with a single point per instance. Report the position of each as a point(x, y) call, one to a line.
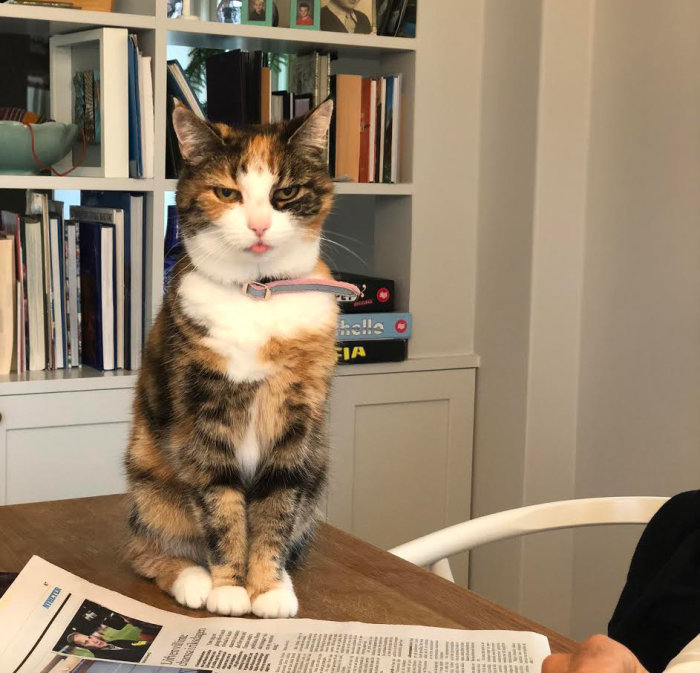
point(365, 136)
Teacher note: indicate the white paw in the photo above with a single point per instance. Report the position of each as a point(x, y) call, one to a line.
point(192, 587)
point(278, 603)
point(233, 601)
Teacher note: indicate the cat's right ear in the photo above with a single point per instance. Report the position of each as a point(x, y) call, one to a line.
point(196, 138)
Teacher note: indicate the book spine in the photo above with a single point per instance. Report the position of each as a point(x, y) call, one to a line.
point(371, 326)
point(365, 352)
point(365, 125)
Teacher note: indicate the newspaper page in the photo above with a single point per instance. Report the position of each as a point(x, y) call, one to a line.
point(52, 621)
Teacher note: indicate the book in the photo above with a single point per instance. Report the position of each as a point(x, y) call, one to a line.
point(283, 105)
point(387, 151)
point(38, 205)
point(348, 123)
point(376, 294)
point(135, 149)
point(8, 293)
point(372, 159)
point(367, 351)
point(36, 329)
point(57, 291)
point(265, 95)
point(147, 123)
point(179, 87)
point(381, 130)
point(365, 131)
point(302, 104)
point(97, 291)
point(132, 206)
point(72, 291)
point(364, 326)
point(11, 226)
point(227, 87)
point(173, 248)
point(114, 217)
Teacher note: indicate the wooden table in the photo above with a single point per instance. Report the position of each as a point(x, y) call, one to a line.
point(344, 579)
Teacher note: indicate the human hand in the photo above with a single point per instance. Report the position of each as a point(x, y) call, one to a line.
point(597, 654)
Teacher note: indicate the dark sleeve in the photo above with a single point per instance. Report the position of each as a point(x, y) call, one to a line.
point(658, 613)
point(364, 25)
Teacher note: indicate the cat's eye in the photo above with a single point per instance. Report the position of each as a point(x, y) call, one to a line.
point(227, 195)
point(286, 193)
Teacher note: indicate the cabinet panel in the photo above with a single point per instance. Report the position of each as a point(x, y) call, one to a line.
point(401, 455)
point(76, 461)
point(63, 445)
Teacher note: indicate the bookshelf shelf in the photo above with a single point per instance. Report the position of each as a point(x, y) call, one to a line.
point(69, 183)
point(86, 378)
point(57, 21)
point(343, 189)
point(282, 40)
point(65, 380)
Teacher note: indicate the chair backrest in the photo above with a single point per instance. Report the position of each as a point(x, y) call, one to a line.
point(432, 549)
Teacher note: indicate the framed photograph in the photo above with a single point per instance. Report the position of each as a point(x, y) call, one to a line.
point(257, 12)
point(305, 14)
point(349, 16)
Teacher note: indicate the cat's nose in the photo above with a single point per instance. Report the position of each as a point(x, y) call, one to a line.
point(259, 227)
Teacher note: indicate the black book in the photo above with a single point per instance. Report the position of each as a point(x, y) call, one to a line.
point(379, 350)
point(331, 131)
point(226, 88)
point(173, 158)
point(97, 289)
point(376, 294)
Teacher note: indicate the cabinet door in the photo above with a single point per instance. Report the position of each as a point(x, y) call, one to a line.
point(63, 445)
point(401, 455)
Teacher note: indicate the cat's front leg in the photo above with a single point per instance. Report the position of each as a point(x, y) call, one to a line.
point(271, 522)
point(224, 525)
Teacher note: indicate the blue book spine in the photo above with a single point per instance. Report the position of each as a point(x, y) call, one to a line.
point(135, 149)
point(371, 326)
point(120, 201)
point(91, 293)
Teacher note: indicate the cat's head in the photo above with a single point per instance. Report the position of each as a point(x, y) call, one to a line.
point(252, 202)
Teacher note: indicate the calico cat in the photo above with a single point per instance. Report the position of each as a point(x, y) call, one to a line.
point(228, 457)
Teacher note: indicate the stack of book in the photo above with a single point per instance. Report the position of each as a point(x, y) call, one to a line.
point(365, 131)
point(141, 114)
point(73, 287)
point(368, 328)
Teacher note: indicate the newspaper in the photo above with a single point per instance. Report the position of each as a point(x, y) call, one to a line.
point(52, 621)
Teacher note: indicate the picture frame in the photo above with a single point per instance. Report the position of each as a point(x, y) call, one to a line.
point(349, 16)
point(252, 9)
point(305, 14)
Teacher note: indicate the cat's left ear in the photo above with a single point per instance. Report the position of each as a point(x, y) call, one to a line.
point(197, 138)
point(313, 132)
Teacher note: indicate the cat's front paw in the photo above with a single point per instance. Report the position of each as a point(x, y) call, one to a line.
point(229, 600)
point(192, 587)
point(278, 603)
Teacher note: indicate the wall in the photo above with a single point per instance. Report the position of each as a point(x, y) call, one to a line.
point(502, 324)
point(639, 427)
point(587, 314)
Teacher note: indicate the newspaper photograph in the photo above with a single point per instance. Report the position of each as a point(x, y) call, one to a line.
point(52, 621)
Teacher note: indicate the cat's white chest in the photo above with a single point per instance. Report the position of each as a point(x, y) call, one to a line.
point(239, 327)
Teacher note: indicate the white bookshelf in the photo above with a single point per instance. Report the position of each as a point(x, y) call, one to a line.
point(419, 232)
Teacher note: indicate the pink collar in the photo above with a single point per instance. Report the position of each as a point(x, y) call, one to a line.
point(343, 291)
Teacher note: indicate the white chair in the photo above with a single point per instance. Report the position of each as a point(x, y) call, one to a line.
point(433, 550)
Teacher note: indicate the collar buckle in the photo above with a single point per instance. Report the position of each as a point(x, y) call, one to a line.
point(258, 291)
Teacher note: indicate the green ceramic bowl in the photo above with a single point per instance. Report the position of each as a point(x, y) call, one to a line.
point(52, 141)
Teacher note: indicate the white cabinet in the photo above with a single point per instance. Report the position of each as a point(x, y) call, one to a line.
point(63, 445)
point(401, 454)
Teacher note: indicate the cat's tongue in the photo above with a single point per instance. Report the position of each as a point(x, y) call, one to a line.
point(259, 248)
